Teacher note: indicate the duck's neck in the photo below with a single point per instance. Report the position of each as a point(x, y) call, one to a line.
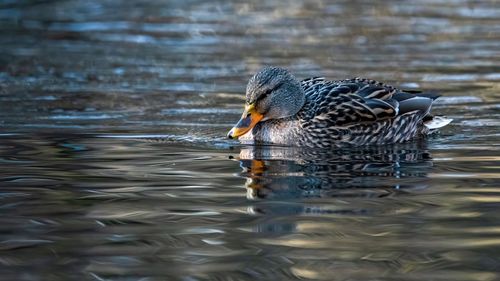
point(294, 103)
point(299, 102)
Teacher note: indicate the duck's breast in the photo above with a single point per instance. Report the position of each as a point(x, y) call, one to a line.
point(282, 131)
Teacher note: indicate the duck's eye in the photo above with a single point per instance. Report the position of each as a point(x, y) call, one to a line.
point(266, 93)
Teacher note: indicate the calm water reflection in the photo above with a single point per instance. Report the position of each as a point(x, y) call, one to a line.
point(280, 172)
point(114, 166)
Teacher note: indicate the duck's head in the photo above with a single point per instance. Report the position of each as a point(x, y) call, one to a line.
point(272, 93)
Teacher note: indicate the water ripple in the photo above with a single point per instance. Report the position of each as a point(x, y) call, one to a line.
point(115, 164)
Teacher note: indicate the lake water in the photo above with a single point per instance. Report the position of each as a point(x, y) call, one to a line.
point(115, 166)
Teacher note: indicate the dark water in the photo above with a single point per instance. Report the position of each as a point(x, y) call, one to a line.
point(114, 164)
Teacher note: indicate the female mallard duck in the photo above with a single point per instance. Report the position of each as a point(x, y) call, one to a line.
point(319, 113)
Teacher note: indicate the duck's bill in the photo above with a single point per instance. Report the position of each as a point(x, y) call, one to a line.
point(249, 118)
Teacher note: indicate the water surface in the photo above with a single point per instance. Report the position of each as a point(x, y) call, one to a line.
point(114, 164)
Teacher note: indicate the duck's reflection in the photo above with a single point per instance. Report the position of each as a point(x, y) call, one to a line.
point(282, 172)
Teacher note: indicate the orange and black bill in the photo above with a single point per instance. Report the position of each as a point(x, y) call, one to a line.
point(248, 119)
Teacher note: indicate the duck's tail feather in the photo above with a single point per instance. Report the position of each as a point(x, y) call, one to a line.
point(436, 122)
point(416, 103)
point(409, 94)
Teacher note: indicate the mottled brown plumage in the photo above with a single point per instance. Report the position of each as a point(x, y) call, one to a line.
point(323, 113)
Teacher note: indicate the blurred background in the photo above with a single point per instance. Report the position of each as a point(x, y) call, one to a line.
point(149, 66)
point(114, 163)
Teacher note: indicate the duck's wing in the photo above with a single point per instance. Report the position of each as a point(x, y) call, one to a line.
point(358, 100)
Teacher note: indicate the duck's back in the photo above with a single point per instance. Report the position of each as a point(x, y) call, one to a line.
point(361, 112)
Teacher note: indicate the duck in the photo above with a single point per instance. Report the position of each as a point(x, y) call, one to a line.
point(316, 112)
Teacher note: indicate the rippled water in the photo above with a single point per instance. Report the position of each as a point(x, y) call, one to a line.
point(114, 164)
